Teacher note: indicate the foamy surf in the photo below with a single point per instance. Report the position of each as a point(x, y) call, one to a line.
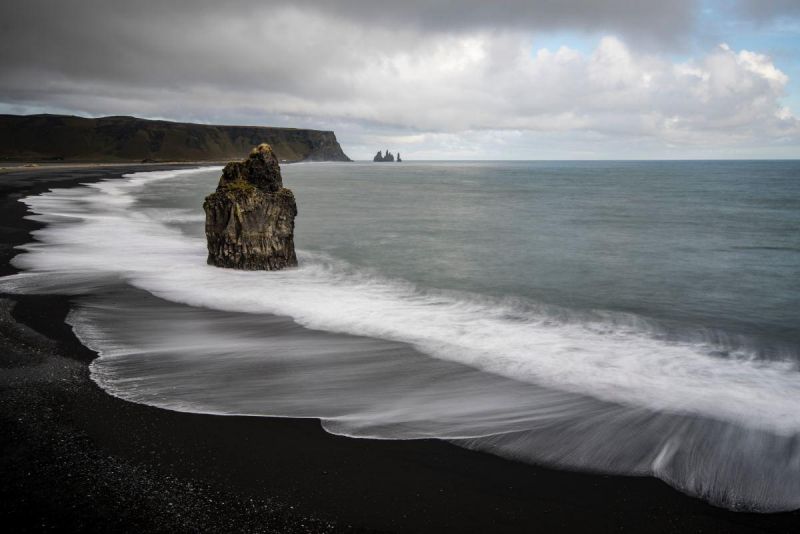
point(595, 390)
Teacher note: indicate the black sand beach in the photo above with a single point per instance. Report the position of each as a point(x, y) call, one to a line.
point(76, 459)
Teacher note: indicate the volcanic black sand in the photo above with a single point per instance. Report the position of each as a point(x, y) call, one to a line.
point(77, 459)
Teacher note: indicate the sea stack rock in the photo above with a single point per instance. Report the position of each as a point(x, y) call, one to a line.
point(383, 157)
point(250, 217)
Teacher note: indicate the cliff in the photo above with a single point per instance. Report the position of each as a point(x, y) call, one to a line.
point(129, 139)
point(250, 217)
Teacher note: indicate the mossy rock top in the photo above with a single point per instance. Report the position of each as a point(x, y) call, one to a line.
point(260, 169)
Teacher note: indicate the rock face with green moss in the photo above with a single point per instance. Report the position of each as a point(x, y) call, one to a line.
point(250, 217)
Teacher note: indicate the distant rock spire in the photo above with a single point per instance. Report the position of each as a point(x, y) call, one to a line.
point(383, 157)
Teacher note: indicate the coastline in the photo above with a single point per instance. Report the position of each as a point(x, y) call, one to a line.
point(80, 459)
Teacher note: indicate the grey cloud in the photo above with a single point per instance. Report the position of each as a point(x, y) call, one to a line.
point(379, 67)
point(180, 44)
point(645, 19)
point(171, 40)
point(653, 18)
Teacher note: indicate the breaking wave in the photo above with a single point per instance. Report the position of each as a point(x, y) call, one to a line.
point(384, 358)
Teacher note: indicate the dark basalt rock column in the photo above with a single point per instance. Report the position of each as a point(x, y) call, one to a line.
point(250, 217)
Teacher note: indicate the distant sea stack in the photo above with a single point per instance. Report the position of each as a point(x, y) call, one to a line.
point(250, 217)
point(129, 139)
point(386, 157)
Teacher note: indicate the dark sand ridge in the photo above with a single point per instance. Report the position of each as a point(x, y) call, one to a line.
point(77, 459)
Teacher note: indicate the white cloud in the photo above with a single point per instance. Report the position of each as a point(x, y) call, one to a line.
point(495, 82)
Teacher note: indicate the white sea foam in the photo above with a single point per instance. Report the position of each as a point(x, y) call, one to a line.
point(619, 363)
point(96, 233)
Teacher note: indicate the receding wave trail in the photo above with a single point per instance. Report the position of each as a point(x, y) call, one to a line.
point(600, 391)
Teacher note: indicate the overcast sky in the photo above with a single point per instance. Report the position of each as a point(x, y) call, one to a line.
point(469, 79)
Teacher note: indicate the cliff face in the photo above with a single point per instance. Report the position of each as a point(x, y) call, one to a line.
point(128, 139)
point(250, 217)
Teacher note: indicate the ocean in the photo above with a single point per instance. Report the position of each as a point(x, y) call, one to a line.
point(637, 318)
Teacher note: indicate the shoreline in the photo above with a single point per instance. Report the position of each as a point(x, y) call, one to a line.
point(9, 166)
point(39, 166)
point(186, 471)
